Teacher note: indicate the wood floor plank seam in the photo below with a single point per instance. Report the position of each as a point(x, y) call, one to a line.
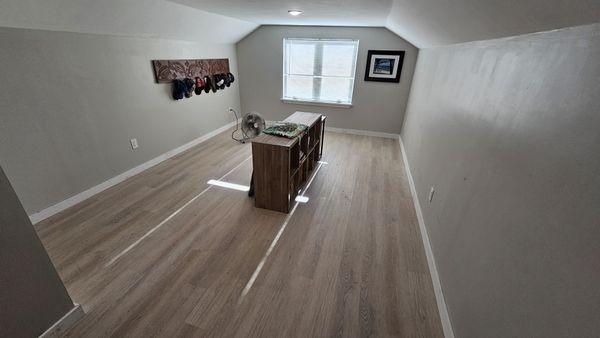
point(276, 239)
point(175, 213)
point(349, 263)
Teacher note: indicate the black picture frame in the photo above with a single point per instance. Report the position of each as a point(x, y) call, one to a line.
point(383, 71)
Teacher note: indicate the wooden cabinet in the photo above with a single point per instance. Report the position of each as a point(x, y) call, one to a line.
point(283, 166)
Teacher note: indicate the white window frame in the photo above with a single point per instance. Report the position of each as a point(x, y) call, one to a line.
point(293, 100)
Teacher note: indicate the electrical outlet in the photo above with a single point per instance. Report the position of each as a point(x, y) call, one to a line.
point(134, 143)
point(431, 193)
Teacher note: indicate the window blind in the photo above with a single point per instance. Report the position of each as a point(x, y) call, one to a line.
point(319, 70)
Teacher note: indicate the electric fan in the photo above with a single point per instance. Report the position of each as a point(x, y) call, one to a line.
point(252, 124)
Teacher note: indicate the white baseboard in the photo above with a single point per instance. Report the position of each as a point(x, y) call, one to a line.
point(352, 131)
point(435, 278)
point(362, 132)
point(58, 329)
point(71, 201)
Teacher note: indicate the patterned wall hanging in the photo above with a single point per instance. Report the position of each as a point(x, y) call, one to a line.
point(169, 70)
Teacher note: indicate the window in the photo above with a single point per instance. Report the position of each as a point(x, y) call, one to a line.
point(319, 70)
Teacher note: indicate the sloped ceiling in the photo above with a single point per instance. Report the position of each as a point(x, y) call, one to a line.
point(425, 23)
point(428, 23)
point(323, 12)
point(140, 18)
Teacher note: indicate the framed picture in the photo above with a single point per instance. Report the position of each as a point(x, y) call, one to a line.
point(384, 65)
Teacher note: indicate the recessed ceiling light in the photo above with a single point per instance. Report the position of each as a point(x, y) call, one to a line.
point(294, 12)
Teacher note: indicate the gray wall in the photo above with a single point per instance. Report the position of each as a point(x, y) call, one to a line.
point(376, 106)
point(32, 297)
point(507, 131)
point(70, 103)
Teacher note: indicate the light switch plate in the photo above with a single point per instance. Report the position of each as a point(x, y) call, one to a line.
point(134, 143)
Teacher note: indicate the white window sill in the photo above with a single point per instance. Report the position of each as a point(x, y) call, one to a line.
point(317, 103)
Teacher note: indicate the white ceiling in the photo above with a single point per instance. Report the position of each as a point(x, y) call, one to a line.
point(428, 23)
point(140, 18)
point(316, 12)
point(425, 23)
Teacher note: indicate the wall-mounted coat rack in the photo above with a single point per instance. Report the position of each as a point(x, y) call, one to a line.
point(169, 70)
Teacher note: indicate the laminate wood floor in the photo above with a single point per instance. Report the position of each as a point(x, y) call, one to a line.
point(349, 262)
